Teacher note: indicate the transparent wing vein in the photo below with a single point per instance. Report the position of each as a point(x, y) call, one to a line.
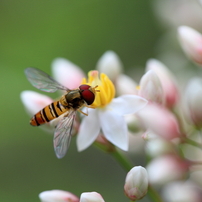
point(42, 81)
point(62, 135)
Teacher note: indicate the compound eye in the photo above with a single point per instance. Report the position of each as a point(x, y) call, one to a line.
point(84, 87)
point(88, 96)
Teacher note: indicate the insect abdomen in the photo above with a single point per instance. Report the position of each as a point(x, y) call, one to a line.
point(48, 113)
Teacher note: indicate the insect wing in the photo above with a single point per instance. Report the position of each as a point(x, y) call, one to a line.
point(42, 81)
point(62, 135)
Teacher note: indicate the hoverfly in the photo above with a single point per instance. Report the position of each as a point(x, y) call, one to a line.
point(67, 106)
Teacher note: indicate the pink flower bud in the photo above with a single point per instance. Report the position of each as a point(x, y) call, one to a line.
point(167, 81)
point(91, 197)
point(136, 183)
point(34, 101)
point(151, 88)
point(164, 169)
point(193, 100)
point(110, 64)
point(125, 85)
point(181, 191)
point(160, 121)
point(67, 73)
point(191, 42)
point(57, 196)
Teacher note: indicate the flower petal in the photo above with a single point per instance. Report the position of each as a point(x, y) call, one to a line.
point(67, 73)
point(110, 64)
point(125, 85)
point(34, 101)
point(114, 128)
point(89, 130)
point(127, 104)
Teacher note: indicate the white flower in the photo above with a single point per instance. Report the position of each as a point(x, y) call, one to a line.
point(109, 114)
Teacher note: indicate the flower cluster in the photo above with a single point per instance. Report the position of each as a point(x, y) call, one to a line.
point(165, 116)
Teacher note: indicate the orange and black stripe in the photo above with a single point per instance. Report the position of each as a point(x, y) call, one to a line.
point(48, 113)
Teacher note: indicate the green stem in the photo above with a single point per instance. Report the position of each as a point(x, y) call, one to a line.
point(123, 162)
point(192, 142)
point(179, 119)
point(127, 165)
point(154, 194)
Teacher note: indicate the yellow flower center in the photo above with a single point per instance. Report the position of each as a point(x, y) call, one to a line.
point(105, 86)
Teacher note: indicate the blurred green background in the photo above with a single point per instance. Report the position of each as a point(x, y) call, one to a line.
point(33, 33)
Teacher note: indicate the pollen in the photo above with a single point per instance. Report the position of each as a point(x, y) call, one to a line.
point(105, 87)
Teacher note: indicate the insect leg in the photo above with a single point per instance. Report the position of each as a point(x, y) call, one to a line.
point(86, 114)
point(89, 106)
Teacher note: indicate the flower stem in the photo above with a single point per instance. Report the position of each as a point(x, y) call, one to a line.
point(127, 165)
point(123, 162)
point(192, 142)
point(154, 194)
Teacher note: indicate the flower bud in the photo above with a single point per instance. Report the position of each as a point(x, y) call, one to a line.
point(57, 196)
point(136, 183)
point(182, 192)
point(167, 81)
point(191, 42)
point(110, 64)
point(125, 85)
point(67, 73)
point(167, 168)
point(193, 100)
point(91, 197)
point(151, 88)
point(160, 121)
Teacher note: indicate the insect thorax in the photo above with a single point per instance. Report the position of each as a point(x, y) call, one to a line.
point(72, 95)
point(72, 99)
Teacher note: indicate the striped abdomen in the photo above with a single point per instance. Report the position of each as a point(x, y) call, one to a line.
point(48, 113)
